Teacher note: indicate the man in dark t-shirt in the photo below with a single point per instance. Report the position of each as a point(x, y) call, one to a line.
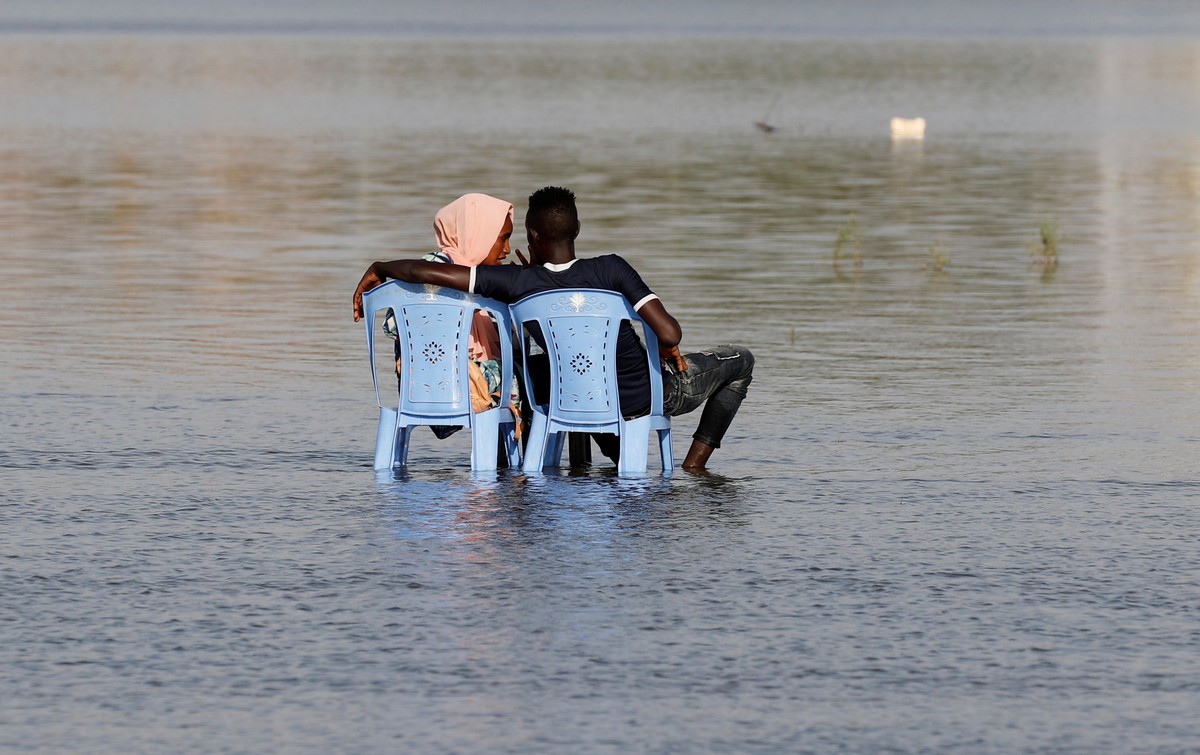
point(717, 378)
point(510, 283)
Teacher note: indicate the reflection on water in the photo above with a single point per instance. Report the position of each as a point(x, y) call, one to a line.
point(453, 505)
point(954, 485)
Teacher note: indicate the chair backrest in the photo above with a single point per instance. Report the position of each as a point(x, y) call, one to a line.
point(580, 328)
point(434, 325)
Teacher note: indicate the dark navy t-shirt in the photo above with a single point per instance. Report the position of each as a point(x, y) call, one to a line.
point(511, 283)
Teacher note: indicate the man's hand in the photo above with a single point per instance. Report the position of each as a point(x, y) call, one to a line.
point(671, 355)
point(370, 280)
point(411, 271)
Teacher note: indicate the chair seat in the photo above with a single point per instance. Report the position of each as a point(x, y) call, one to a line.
point(434, 327)
point(578, 329)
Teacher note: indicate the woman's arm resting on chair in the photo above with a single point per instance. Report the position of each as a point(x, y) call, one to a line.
point(410, 271)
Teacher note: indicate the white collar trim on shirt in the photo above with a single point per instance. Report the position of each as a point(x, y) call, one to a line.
point(558, 268)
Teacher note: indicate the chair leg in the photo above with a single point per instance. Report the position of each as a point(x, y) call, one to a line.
point(535, 447)
point(403, 435)
point(511, 445)
point(635, 446)
point(554, 450)
point(485, 440)
point(664, 444)
point(385, 439)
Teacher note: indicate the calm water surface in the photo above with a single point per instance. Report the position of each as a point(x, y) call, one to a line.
point(957, 511)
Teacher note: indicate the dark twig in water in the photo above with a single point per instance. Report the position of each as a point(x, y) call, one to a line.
point(764, 125)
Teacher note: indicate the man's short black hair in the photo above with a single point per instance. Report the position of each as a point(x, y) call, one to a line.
point(552, 211)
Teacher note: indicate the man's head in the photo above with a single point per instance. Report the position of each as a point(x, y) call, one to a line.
point(551, 221)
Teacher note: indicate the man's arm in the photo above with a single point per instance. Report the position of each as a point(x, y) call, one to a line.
point(620, 276)
point(667, 329)
point(410, 271)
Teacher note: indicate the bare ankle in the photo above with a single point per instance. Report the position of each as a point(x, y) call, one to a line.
point(697, 457)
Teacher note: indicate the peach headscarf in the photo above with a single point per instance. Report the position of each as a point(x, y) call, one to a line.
point(466, 230)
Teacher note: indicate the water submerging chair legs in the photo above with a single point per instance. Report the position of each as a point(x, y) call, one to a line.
point(578, 330)
point(435, 326)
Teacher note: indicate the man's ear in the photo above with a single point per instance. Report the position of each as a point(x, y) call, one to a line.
point(532, 242)
point(578, 225)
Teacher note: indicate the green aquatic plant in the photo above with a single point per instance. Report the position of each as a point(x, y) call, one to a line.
point(938, 260)
point(1044, 252)
point(849, 239)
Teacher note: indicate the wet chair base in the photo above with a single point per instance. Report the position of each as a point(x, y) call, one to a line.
point(488, 431)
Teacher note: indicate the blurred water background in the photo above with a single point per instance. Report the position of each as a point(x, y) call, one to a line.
point(957, 512)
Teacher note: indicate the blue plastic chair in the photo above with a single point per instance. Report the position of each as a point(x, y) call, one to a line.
point(434, 325)
point(580, 327)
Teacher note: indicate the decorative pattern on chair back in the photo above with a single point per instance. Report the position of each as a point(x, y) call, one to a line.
point(432, 356)
point(580, 329)
point(581, 366)
point(434, 325)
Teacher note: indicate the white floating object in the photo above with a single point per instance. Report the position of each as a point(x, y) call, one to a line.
point(908, 128)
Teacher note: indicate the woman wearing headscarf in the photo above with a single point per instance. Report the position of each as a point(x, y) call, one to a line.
point(473, 230)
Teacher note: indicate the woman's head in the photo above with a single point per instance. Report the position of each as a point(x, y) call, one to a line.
point(474, 229)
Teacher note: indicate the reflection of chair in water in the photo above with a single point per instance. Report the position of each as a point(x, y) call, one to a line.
point(434, 325)
point(579, 329)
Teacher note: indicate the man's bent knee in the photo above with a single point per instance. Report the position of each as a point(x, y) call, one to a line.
point(745, 365)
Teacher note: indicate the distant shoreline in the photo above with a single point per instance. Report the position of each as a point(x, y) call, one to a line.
point(467, 19)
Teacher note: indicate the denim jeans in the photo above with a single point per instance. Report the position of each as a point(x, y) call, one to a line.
point(717, 378)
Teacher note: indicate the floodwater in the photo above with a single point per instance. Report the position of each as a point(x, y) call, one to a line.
point(957, 512)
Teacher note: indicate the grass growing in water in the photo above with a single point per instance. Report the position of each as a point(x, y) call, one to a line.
point(849, 239)
point(1044, 252)
point(938, 260)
